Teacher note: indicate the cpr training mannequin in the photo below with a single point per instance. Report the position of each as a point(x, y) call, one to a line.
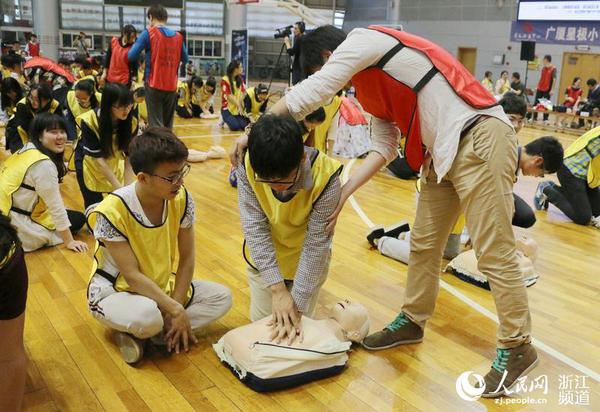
point(215, 152)
point(265, 365)
point(464, 266)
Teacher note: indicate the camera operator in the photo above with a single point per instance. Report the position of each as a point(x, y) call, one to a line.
point(294, 50)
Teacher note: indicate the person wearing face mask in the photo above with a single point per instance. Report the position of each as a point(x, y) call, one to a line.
point(101, 162)
point(285, 193)
point(116, 64)
point(323, 352)
point(140, 292)
point(165, 51)
point(29, 188)
point(81, 99)
point(38, 100)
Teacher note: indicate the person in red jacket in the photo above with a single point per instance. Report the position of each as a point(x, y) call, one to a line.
point(165, 50)
point(544, 87)
point(414, 86)
point(116, 64)
point(573, 93)
point(33, 46)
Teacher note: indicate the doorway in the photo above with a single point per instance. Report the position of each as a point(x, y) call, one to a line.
point(468, 57)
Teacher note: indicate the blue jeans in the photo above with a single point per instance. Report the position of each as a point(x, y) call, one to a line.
point(235, 123)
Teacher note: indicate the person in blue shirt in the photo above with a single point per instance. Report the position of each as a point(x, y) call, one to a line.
point(165, 50)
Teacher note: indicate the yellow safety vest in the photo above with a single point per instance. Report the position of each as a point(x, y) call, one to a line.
point(12, 174)
point(92, 174)
point(142, 111)
point(155, 247)
point(289, 220)
point(255, 110)
point(201, 96)
point(91, 77)
point(74, 106)
point(593, 176)
point(185, 99)
point(236, 92)
point(321, 130)
point(24, 134)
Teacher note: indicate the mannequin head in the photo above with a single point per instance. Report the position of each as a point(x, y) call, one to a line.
point(353, 319)
point(528, 247)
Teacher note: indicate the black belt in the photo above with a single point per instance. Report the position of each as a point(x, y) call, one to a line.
point(20, 211)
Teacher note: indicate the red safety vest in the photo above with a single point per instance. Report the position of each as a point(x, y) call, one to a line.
point(118, 71)
point(165, 54)
point(389, 99)
point(546, 79)
point(34, 49)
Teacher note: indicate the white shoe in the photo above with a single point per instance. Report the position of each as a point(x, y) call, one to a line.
point(220, 123)
point(595, 222)
point(132, 349)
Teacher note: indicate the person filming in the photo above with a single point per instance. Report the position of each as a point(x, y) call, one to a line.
point(294, 50)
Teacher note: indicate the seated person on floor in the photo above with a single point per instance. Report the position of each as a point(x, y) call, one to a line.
point(541, 156)
point(309, 124)
point(286, 192)
point(578, 195)
point(204, 98)
point(142, 229)
point(264, 366)
point(139, 99)
point(186, 90)
point(30, 192)
point(464, 266)
point(256, 101)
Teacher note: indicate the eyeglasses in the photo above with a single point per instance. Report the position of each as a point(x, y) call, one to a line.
point(178, 178)
point(277, 182)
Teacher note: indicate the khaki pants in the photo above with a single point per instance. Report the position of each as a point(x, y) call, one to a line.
point(261, 298)
point(480, 183)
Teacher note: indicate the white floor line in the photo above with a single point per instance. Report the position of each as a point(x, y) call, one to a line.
point(211, 124)
point(470, 302)
point(205, 136)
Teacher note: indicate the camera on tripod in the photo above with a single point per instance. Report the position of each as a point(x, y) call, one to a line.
point(283, 32)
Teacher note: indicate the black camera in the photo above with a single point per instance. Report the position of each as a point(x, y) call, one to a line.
point(283, 32)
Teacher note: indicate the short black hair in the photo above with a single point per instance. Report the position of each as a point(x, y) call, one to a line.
point(503, 71)
point(158, 12)
point(261, 88)
point(516, 75)
point(6, 86)
point(139, 92)
point(324, 38)
point(155, 146)
point(275, 146)
point(212, 82)
point(128, 29)
point(318, 116)
point(301, 26)
point(550, 149)
point(88, 86)
point(548, 57)
point(591, 82)
point(513, 104)
point(10, 61)
point(41, 123)
point(487, 73)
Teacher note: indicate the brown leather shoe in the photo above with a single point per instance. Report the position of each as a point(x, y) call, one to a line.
point(401, 331)
point(509, 365)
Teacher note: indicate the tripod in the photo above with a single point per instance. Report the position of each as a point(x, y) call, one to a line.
point(276, 66)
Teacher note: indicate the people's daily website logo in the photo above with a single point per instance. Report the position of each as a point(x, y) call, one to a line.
point(467, 390)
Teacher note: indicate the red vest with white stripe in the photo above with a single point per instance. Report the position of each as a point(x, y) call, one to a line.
point(118, 71)
point(389, 99)
point(165, 54)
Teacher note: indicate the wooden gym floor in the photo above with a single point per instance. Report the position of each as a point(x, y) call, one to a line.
point(75, 366)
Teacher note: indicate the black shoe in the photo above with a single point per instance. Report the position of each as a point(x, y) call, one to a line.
point(396, 229)
point(374, 234)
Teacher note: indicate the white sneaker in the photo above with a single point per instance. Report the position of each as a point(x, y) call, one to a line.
point(595, 222)
point(132, 349)
point(220, 123)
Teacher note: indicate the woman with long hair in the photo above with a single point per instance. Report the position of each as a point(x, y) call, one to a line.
point(81, 99)
point(13, 297)
point(30, 193)
point(186, 90)
point(10, 94)
point(232, 95)
point(203, 100)
point(38, 100)
point(101, 151)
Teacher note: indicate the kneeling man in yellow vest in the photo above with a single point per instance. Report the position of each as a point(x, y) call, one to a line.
point(142, 281)
point(286, 193)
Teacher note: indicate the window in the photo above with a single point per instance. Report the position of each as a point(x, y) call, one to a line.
point(80, 15)
point(218, 48)
point(67, 40)
point(197, 48)
point(208, 48)
point(205, 48)
point(204, 17)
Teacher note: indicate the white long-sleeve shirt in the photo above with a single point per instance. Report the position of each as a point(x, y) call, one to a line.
point(43, 176)
point(443, 115)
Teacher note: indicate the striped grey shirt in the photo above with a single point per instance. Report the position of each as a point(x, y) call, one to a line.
point(314, 259)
